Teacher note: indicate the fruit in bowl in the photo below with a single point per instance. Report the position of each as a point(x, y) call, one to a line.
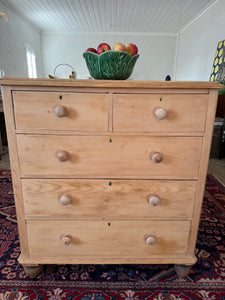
point(111, 64)
point(132, 49)
point(102, 48)
point(92, 50)
point(119, 47)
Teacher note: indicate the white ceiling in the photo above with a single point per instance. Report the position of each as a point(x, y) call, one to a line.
point(82, 16)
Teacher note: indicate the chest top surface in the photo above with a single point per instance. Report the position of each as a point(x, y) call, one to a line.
point(110, 83)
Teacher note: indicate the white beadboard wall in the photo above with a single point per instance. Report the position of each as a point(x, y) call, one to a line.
point(155, 62)
point(197, 44)
point(14, 34)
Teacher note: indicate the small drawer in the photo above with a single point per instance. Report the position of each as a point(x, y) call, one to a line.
point(108, 157)
point(107, 238)
point(159, 112)
point(61, 111)
point(118, 199)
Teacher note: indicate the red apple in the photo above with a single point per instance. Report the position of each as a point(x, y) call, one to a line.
point(119, 47)
point(91, 50)
point(132, 49)
point(102, 48)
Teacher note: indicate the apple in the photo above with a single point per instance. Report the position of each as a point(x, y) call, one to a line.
point(91, 50)
point(103, 47)
point(119, 47)
point(132, 49)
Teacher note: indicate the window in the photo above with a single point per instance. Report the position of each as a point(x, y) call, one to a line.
point(31, 62)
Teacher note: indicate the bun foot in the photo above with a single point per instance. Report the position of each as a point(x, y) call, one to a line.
point(182, 270)
point(32, 271)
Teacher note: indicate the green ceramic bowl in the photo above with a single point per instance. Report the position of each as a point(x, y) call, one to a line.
point(111, 64)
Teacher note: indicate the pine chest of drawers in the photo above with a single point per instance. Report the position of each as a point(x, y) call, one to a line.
point(108, 171)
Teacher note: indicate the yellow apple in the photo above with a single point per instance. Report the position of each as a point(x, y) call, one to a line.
point(119, 47)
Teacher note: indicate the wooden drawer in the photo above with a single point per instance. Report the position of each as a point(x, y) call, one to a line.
point(107, 238)
point(84, 111)
point(136, 112)
point(105, 157)
point(100, 199)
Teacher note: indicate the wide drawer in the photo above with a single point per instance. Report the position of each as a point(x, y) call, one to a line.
point(102, 156)
point(61, 111)
point(160, 112)
point(155, 199)
point(107, 238)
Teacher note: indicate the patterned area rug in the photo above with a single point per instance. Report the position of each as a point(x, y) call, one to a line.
point(128, 282)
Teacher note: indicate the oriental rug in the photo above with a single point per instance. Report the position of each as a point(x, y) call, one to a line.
point(128, 282)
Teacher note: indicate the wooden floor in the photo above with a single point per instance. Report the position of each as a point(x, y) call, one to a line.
point(217, 168)
point(4, 161)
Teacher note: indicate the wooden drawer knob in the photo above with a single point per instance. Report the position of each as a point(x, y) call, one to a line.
point(150, 239)
point(60, 111)
point(65, 199)
point(160, 113)
point(153, 200)
point(66, 239)
point(156, 157)
point(62, 155)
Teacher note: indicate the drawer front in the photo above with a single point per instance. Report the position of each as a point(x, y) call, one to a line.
point(107, 238)
point(153, 199)
point(102, 156)
point(61, 111)
point(159, 112)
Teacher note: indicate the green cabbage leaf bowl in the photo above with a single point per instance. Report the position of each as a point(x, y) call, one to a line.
point(111, 65)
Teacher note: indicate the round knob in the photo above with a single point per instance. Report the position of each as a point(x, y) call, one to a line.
point(156, 157)
point(62, 155)
point(150, 239)
point(66, 239)
point(153, 200)
point(65, 199)
point(160, 113)
point(60, 111)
